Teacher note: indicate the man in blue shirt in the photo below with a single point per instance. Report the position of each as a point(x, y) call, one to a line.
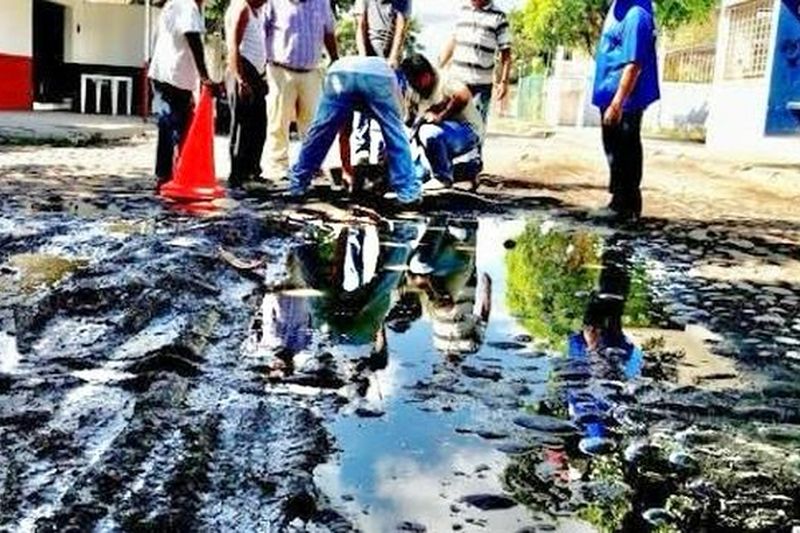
point(625, 84)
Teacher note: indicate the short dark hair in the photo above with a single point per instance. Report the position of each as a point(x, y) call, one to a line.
point(416, 65)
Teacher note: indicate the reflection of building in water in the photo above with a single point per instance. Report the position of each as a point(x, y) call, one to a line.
point(443, 269)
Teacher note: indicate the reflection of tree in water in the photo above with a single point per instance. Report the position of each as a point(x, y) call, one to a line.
point(551, 276)
point(577, 292)
point(548, 275)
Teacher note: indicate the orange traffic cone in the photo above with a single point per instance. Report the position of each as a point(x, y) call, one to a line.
point(194, 177)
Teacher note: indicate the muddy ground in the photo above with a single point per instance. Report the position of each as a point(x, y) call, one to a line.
point(496, 362)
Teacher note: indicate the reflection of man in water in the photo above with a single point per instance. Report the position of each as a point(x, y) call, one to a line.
point(283, 327)
point(359, 277)
point(443, 270)
point(601, 349)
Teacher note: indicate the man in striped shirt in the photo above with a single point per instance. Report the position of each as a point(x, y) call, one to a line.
point(482, 31)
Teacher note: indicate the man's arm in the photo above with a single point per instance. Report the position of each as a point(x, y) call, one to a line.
point(505, 73)
point(234, 44)
point(630, 75)
point(330, 34)
point(362, 34)
point(447, 52)
point(452, 106)
point(196, 46)
point(400, 28)
point(330, 45)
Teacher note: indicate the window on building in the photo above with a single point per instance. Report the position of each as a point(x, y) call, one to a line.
point(750, 25)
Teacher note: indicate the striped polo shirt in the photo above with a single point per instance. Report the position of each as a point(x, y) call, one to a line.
point(480, 34)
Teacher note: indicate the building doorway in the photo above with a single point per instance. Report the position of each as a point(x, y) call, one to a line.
point(48, 52)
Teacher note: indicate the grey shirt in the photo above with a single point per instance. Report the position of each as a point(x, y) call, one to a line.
point(381, 18)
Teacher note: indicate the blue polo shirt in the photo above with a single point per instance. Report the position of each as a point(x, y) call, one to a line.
point(629, 36)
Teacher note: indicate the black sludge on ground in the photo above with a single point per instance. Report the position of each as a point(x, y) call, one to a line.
point(131, 406)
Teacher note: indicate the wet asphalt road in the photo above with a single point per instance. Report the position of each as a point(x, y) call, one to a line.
point(500, 366)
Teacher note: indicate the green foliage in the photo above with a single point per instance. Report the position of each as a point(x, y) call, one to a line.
point(549, 275)
point(542, 25)
point(346, 36)
point(639, 301)
point(214, 11)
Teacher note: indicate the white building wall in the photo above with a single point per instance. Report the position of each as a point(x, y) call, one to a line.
point(105, 34)
point(110, 35)
point(738, 111)
point(16, 27)
point(683, 106)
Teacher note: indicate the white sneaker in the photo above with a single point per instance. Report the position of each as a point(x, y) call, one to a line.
point(435, 184)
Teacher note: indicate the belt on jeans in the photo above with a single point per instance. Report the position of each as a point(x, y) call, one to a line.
point(292, 69)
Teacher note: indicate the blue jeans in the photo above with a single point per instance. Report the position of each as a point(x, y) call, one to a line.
point(345, 92)
point(443, 143)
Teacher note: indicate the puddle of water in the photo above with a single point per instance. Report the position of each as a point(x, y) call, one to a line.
point(436, 334)
point(32, 270)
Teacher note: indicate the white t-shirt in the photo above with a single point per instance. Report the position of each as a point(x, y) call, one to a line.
point(254, 41)
point(172, 61)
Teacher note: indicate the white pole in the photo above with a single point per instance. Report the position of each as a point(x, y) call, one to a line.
point(147, 31)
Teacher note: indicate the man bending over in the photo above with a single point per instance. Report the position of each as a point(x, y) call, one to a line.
point(358, 84)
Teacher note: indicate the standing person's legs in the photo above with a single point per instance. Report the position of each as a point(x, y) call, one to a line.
point(281, 103)
point(309, 93)
point(482, 96)
point(363, 138)
point(631, 135)
point(333, 112)
point(382, 96)
point(612, 145)
point(442, 143)
point(173, 109)
point(253, 123)
point(623, 147)
point(234, 179)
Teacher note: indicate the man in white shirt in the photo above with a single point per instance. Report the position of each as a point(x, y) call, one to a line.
point(177, 68)
point(247, 62)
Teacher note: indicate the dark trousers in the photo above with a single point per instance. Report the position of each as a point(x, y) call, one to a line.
point(173, 110)
point(623, 147)
point(248, 125)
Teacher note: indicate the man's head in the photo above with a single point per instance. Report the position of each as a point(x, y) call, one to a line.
point(420, 74)
point(480, 4)
point(256, 4)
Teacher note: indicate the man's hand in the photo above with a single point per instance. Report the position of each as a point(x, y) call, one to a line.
point(502, 90)
point(217, 89)
point(394, 63)
point(613, 115)
point(432, 117)
point(245, 91)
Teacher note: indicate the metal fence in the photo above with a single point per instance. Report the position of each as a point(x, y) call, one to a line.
point(530, 98)
point(748, 39)
point(690, 65)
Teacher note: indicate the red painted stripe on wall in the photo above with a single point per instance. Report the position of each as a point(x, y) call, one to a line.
point(16, 88)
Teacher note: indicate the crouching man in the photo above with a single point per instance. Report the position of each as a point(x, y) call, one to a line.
point(450, 124)
point(358, 84)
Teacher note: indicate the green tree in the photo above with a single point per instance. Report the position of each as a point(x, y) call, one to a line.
point(542, 25)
